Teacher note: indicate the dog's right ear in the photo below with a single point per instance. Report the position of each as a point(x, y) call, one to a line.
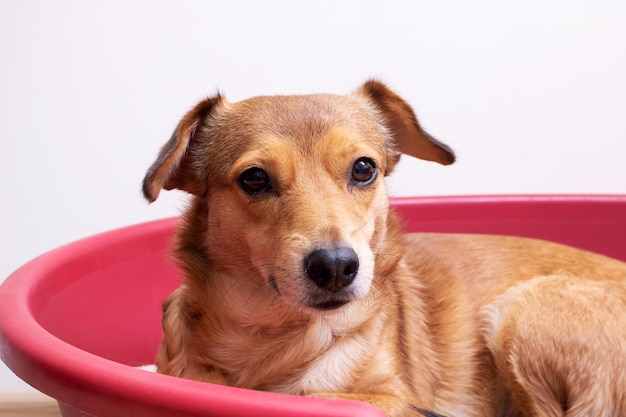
point(173, 167)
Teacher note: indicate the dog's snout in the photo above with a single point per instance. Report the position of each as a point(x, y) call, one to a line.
point(332, 269)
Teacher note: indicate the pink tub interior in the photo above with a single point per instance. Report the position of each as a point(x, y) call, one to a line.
point(74, 319)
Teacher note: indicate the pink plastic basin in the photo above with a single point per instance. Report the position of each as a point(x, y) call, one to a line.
point(75, 321)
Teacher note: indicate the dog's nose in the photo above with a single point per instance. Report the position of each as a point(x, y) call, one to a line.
point(332, 269)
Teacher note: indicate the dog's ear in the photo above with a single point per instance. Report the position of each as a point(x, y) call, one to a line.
point(173, 167)
point(408, 136)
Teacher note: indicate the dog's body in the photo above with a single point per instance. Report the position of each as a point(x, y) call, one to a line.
point(299, 279)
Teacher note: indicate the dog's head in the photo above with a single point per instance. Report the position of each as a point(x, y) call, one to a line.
point(294, 186)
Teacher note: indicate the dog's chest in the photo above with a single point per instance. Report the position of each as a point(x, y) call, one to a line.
point(314, 359)
point(332, 371)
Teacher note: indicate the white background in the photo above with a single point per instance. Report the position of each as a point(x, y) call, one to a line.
point(531, 95)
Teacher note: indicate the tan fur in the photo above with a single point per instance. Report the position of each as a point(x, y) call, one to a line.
point(463, 325)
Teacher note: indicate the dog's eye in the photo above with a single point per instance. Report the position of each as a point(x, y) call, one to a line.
point(255, 181)
point(364, 172)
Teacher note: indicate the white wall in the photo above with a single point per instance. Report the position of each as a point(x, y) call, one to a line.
point(531, 95)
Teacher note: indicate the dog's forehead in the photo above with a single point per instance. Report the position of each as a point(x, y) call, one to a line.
point(305, 116)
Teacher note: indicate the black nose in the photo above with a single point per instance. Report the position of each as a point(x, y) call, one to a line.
point(332, 269)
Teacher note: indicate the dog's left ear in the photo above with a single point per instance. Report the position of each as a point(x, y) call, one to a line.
point(408, 136)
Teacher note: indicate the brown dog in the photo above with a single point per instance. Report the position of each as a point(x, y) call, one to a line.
point(299, 280)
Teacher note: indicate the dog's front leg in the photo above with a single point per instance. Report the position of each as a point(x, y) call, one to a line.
point(175, 356)
point(391, 405)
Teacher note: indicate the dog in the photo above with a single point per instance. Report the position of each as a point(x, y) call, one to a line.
point(298, 278)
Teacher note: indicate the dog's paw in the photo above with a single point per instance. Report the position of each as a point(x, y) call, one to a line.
point(148, 368)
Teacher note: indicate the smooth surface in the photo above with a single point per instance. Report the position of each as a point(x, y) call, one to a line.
point(72, 320)
point(595, 223)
